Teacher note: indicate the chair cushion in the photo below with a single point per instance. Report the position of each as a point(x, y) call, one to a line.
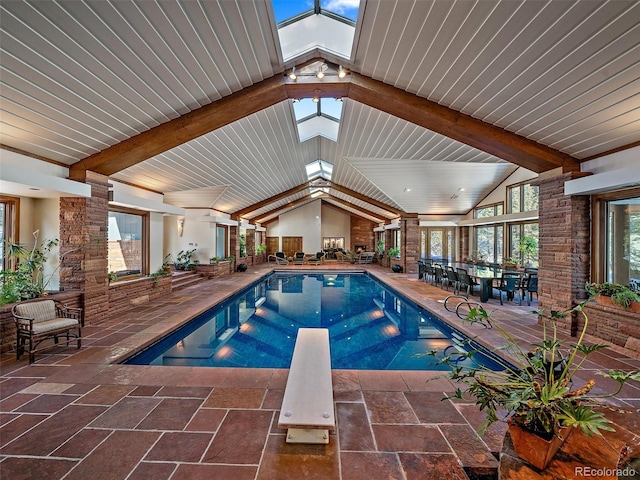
point(53, 325)
point(40, 311)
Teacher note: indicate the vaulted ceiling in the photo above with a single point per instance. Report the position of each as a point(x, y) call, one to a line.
point(191, 99)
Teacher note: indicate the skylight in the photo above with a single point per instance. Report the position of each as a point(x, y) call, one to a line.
point(304, 26)
point(344, 8)
point(321, 118)
point(287, 9)
point(319, 168)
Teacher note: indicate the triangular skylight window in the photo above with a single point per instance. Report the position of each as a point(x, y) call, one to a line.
point(327, 25)
point(318, 118)
point(319, 168)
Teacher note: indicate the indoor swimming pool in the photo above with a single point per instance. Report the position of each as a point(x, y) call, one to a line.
point(370, 327)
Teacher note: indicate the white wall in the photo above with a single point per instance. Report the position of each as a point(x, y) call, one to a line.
point(336, 224)
point(304, 222)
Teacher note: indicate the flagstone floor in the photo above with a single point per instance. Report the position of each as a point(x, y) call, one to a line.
point(77, 414)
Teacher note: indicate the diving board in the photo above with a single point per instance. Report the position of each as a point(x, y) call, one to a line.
point(307, 407)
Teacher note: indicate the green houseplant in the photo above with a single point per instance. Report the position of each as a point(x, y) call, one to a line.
point(27, 280)
point(535, 392)
point(615, 294)
point(260, 249)
point(184, 259)
point(528, 246)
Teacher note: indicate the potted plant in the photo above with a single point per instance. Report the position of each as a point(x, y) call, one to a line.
point(528, 246)
point(184, 259)
point(614, 294)
point(166, 262)
point(260, 249)
point(27, 280)
point(535, 392)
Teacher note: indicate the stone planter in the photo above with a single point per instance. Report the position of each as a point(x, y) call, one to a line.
point(534, 449)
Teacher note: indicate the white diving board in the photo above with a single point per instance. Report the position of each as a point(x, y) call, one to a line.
point(307, 406)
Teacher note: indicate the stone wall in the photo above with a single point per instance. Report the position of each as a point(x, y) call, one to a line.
point(564, 248)
point(614, 326)
point(362, 233)
point(126, 294)
point(215, 270)
point(84, 246)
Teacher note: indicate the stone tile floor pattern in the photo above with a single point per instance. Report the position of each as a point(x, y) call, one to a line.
point(77, 414)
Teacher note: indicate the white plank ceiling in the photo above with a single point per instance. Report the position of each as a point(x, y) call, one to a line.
point(78, 77)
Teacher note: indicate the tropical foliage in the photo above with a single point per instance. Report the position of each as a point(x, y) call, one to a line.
point(538, 387)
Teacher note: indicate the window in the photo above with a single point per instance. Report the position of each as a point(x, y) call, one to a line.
point(221, 241)
point(522, 198)
point(622, 241)
point(397, 238)
point(489, 211)
point(128, 242)
point(8, 226)
point(518, 231)
point(489, 241)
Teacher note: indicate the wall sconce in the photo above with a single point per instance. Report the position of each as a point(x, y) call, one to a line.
point(180, 226)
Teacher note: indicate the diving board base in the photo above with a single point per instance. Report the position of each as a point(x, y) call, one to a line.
point(308, 435)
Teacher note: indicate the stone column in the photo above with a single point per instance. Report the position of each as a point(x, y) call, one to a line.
point(564, 243)
point(410, 240)
point(251, 242)
point(234, 241)
point(84, 247)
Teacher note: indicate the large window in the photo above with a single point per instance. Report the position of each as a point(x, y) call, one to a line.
point(128, 243)
point(489, 241)
point(527, 255)
point(489, 211)
point(8, 226)
point(522, 198)
point(622, 241)
point(221, 241)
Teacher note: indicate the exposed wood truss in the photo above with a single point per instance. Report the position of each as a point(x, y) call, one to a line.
point(387, 98)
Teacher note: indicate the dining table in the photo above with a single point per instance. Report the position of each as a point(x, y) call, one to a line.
point(484, 275)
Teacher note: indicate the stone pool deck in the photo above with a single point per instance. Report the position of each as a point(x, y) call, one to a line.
point(77, 414)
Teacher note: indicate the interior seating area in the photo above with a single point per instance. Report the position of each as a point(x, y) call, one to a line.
point(40, 320)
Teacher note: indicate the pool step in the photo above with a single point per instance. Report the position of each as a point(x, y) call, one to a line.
point(185, 279)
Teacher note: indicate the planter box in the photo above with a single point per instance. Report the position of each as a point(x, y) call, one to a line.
point(128, 293)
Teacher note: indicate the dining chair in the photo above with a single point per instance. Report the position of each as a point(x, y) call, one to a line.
point(465, 281)
point(529, 286)
point(509, 285)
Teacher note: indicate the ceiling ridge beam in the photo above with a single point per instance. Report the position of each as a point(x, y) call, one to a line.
point(463, 128)
point(185, 128)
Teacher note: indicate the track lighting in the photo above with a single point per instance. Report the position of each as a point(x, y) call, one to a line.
point(342, 72)
point(292, 75)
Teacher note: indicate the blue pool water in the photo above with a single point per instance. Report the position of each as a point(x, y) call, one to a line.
point(370, 327)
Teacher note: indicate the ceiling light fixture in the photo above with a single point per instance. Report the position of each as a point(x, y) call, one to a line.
point(407, 189)
point(295, 100)
point(315, 99)
point(320, 73)
point(339, 99)
point(342, 72)
point(316, 95)
point(292, 75)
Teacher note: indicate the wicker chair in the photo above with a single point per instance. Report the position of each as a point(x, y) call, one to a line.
point(40, 320)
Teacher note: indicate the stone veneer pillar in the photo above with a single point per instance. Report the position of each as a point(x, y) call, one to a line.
point(234, 241)
point(84, 246)
point(410, 240)
point(564, 247)
point(250, 238)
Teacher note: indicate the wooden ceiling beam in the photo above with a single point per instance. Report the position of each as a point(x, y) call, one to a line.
point(180, 130)
point(363, 211)
point(289, 206)
point(267, 201)
point(364, 198)
point(458, 126)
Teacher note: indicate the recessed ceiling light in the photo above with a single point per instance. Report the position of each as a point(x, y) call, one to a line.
point(407, 189)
